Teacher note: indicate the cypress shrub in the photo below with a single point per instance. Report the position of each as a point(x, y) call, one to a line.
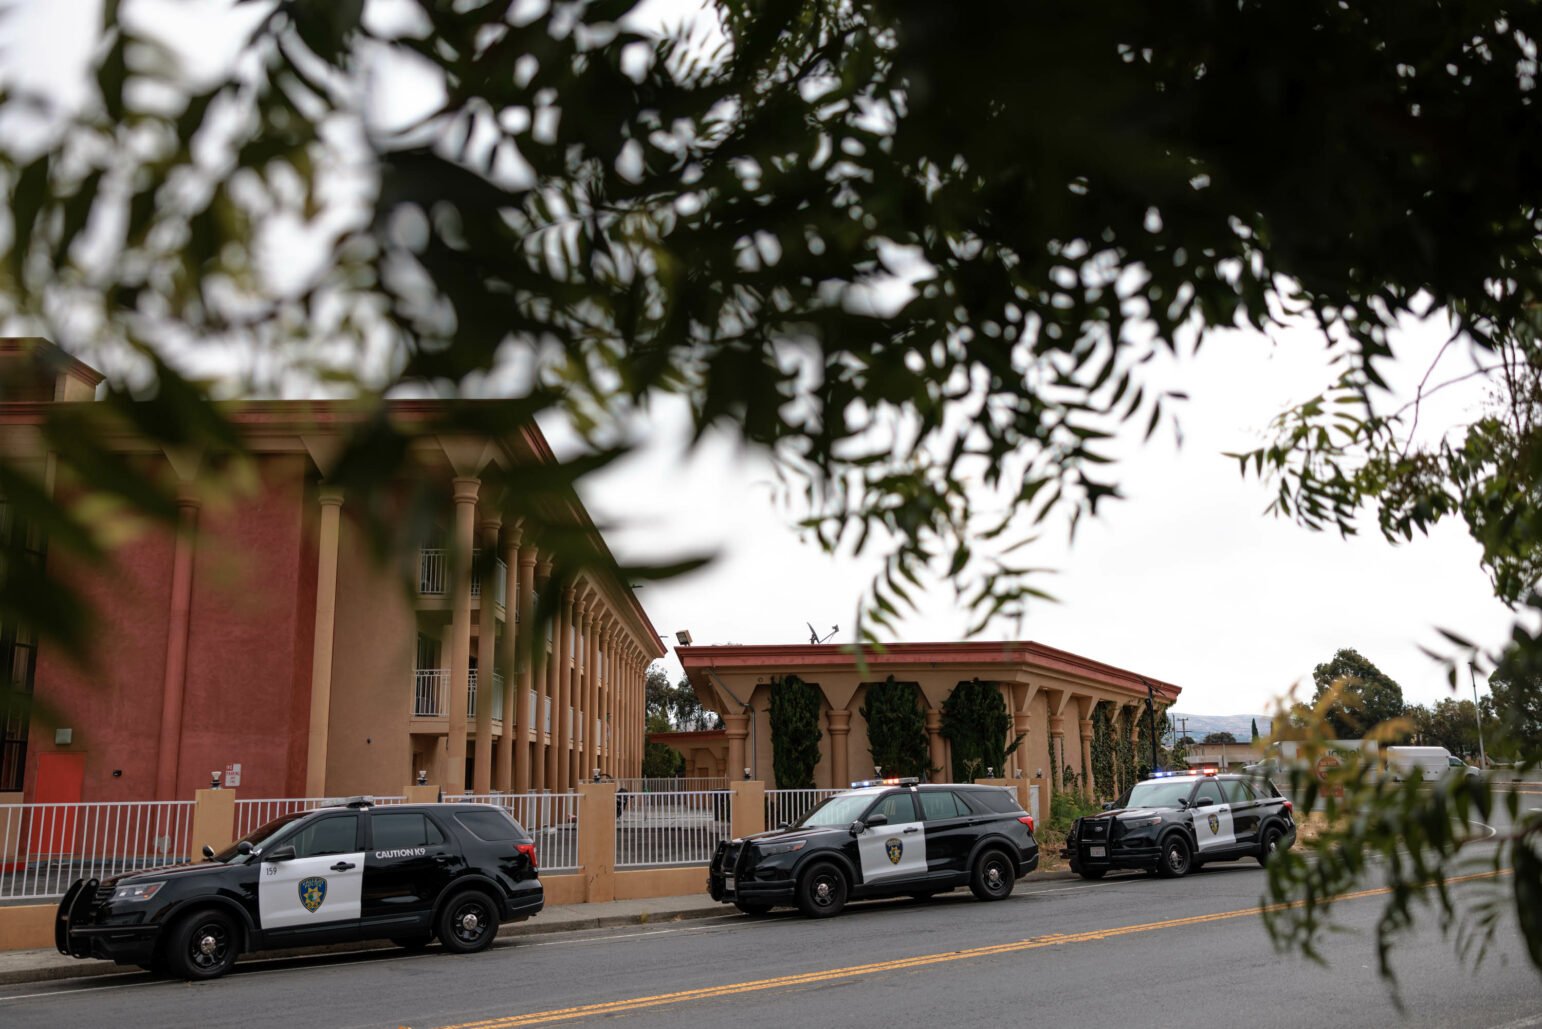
point(975, 721)
point(795, 732)
point(896, 729)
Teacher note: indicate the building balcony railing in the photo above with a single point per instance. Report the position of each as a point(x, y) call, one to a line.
point(434, 577)
point(429, 690)
point(471, 696)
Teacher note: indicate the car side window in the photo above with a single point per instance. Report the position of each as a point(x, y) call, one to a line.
point(898, 807)
point(1208, 790)
point(335, 834)
point(1237, 792)
point(938, 804)
point(405, 829)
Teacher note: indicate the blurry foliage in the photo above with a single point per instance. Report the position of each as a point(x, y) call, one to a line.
point(923, 264)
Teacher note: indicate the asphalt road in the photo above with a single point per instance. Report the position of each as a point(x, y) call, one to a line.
point(1129, 950)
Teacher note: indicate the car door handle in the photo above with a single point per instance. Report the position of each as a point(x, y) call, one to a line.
point(441, 859)
point(343, 866)
point(913, 828)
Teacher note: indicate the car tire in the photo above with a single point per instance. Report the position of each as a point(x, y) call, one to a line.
point(822, 890)
point(1270, 844)
point(1091, 873)
point(413, 943)
point(751, 908)
point(204, 944)
point(993, 876)
point(468, 922)
point(1176, 857)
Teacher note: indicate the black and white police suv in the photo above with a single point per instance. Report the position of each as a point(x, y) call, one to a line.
point(408, 873)
point(1173, 823)
point(881, 838)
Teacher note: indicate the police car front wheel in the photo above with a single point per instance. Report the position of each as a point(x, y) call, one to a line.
point(468, 922)
point(204, 945)
point(1176, 858)
point(822, 891)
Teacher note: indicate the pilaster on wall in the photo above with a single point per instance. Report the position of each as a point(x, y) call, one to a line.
point(597, 839)
point(749, 807)
point(214, 821)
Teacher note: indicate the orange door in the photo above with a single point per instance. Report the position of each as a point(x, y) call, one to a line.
point(60, 779)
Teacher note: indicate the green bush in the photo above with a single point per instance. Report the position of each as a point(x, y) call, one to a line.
point(795, 732)
point(896, 729)
point(1066, 806)
point(975, 721)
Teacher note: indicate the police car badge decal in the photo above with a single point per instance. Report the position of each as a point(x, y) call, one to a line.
point(894, 848)
point(1215, 825)
point(312, 892)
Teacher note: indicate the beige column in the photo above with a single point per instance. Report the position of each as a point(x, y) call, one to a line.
point(508, 666)
point(936, 747)
point(1022, 725)
point(487, 648)
point(562, 735)
point(594, 725)
point(583, 674)
point(321, 646)
point(174, 681)
point(736, 728)
point(1084, 725)
point(523, 626)
point(542, 771)
point(838, 721)
point(460, 633)
point(608, 669)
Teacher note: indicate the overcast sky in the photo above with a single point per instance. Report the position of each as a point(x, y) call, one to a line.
point(1186, 580)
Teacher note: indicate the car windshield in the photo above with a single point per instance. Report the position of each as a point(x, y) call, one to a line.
point(841, 810)
point(1161, 793)
point(232, 855)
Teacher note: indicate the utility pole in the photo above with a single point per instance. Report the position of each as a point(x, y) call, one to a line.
point(1477, 713)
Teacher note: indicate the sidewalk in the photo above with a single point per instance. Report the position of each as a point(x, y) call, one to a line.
point(25, 966)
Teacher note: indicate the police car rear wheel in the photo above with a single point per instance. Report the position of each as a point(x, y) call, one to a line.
point(1271, 843)
point(468, 922)
point(1176, 858)
point(204, 945)
point(822, 891)
point(992, 878)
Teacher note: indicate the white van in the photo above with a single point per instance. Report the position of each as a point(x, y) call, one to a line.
point(1423, 763)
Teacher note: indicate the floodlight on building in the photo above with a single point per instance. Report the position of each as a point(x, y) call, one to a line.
point(683, 637)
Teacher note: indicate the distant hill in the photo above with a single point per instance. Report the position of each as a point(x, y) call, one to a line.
point(1240, 726)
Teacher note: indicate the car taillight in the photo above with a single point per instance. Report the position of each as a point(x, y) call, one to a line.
point(1290, 807)
point(528, 849)
point(1026, 820)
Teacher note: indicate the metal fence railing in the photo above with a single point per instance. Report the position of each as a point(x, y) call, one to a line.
point(671, 828)
point(550, 818)
point(44, 848)
point(253, 814)
point(785, 807)
point(681, 785)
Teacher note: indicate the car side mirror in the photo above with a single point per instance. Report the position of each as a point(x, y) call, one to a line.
point(873, 820)
point(208, 852)
point(281, 854)
point(856, 827)
point(243, 847)
point(784, 825)
point(1108, 805)
point(1202, 802)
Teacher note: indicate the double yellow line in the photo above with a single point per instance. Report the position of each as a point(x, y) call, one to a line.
point(616, 1007)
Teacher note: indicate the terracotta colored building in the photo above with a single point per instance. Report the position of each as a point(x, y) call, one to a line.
point(265, 640)
point(1050, 695)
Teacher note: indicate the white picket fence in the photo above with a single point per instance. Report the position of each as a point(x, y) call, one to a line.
point(46, 847)
point(785, 807)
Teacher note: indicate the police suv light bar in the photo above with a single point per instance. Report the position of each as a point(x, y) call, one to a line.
point(908, 780)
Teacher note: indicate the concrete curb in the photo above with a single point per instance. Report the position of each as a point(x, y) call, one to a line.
point(45, 965)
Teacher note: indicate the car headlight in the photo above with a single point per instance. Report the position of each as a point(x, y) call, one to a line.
point(769, 849)
point(1141, 823)
point(138, 891)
